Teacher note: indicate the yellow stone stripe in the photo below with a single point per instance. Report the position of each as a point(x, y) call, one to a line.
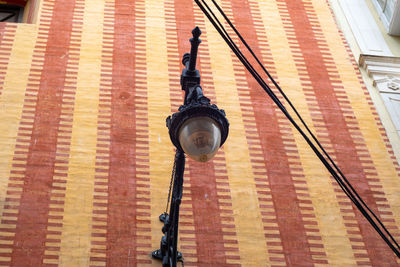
point(327, 211)
point(370, 132)
point(248, 223)
point(76, 233)
point(12, 99)
point(160, 147)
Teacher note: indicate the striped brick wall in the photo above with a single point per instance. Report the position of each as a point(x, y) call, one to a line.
point(85, 157)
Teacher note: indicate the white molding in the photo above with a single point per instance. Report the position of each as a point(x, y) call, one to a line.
point(392, 103)
point(394, 25)
point(377, 66)
point(364, 28)
point(385, 74)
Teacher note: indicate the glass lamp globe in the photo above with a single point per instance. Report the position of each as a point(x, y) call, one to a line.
point(200, 138)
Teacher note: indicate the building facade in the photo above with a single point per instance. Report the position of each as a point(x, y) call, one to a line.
point(372, 29)
point(85, 157)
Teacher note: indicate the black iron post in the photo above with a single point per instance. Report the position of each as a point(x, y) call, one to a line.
point(168, 252)
point(196, 105)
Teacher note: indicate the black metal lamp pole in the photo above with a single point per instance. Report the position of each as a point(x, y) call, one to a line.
point(197, 129)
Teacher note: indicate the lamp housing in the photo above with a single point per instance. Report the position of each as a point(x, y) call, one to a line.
point(198, 129)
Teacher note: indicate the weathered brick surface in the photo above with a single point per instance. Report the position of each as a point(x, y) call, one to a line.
point(85, 157)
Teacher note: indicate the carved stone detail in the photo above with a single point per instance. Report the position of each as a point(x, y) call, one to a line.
point(394, 85)
point(385, 73)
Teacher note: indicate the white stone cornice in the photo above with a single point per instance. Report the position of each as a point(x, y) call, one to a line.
point(380, 65)
point(385, 74)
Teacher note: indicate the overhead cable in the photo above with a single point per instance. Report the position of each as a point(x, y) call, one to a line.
point(309, 137)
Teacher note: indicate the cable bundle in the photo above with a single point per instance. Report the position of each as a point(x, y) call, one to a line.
point(308, 136)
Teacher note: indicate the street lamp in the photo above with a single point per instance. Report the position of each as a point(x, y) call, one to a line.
point(197, 129)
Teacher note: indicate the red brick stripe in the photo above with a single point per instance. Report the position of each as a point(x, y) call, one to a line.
point(121, 181)
point(174, 60)
point(266, 205)
point(385, 213)
point(2, 31)
point(7, 34)
point(372, 108)
point(57, 194)
point(17, 173)
point(223, 196)
point(143, 234)
point(99, 223)
point(33, 216)
point(343, 132)
point(283, 175)
point(128, 190)
point(316, 115)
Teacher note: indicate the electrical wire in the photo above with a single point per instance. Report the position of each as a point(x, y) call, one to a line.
point(170, 187)
point(324, 157)
point(294, 109)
